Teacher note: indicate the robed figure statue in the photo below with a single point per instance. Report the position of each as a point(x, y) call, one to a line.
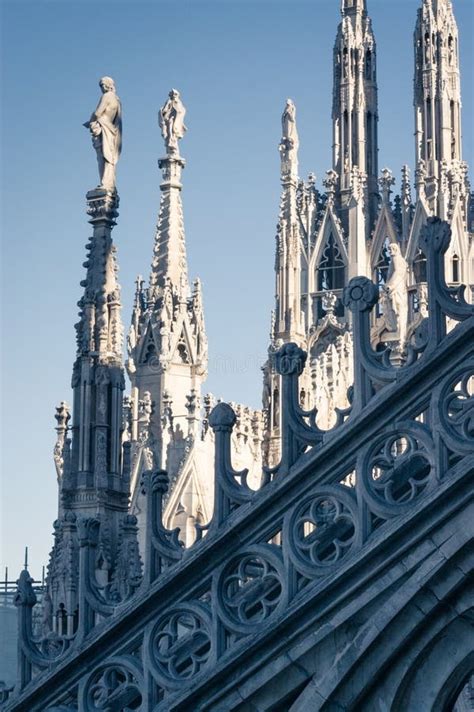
point(105, 126)
point(171, 120)
point(289, 141)
point(394, 297)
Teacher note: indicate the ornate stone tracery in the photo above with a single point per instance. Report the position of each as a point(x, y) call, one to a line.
point(180, 645)
point(322, 530)
point(251, 589)
point(351, 548)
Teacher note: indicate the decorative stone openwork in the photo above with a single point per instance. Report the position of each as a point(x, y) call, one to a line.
point(114, 687)
point(251, 588)
point(322, 530)
point(280, 551)
point(456, 408)
point(397, 468)
point(180, 644)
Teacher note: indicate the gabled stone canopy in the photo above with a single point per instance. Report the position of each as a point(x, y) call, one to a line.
point(167, 365)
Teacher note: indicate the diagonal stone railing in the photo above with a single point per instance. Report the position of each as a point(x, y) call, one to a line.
point(275, 568)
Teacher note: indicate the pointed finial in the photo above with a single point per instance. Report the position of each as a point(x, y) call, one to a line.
point(26, 559)
point(330, 184)
point(406, 186)
point(386, 181)
point(62, 416)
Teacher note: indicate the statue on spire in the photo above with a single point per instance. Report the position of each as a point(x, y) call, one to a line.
point(348, 6)
point(171, 121)
point(105, 126)
point(289, 143)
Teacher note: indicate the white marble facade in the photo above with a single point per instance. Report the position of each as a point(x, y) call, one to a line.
point(356, 226)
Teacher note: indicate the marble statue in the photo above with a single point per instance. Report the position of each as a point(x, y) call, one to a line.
point(289, 142)
point(171, 120)
point(105, 126)
point(288, 122)
point(395, 294)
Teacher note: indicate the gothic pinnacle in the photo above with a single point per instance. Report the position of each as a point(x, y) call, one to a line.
point(169, 254)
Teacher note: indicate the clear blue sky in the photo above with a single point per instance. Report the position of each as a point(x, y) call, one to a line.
point(235, 64)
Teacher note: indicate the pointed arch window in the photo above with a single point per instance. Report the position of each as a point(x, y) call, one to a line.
point(149, 351)
point(345, 63)
point(330, 276)
point(419, 267)
point(453, 129)
point(331, 268)
point(276, 408)
point(61, 620)
point(368, 64)
point(369, 142)
point(183, 351)
point(302, 398)
point(381, 269)
point(429, 129)
point(456, 271)
point(383, 264)
point(450, 49)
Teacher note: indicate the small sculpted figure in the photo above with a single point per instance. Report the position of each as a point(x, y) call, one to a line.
point(288, 122)
point(289, 142)
point(345, 63)
point(395, 298)
point(105, 126)
point(171, 121)
point(450, 51)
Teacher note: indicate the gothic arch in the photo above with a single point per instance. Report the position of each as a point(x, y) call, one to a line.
point(441, 670)
point(149, 349)
point(415, 651)
point(329, 225)
point(183, 346)
point(455, 684)
point(419, 220)
point(384, 228)
point(188, 490)
point(458, 245)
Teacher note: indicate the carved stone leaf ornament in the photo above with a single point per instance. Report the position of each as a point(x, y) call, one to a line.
point(322, 530)
point(251, 588)
point(180, 644)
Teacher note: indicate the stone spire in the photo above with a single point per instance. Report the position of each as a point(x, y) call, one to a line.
point(289, 321)
point(93, 464)
point(167, 343)
point(169, 253)
point(355, 111)
point(98, 379)
point(91, 461)
point(437, 100)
